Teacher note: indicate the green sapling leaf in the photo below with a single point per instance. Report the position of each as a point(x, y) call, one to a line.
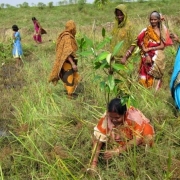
point(117, 48)
point(111, 82)
point(108, 58)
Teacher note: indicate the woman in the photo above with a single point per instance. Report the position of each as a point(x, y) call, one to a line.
point(125, 127)
point(175, 78)
point(17, 48)
point(122, 31)
point(38, 31)
point(65, 66)
point(152, 41)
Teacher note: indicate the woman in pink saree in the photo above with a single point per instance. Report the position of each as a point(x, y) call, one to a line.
point(37, 31)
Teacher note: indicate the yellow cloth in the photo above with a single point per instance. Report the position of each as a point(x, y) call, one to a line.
point(150, 34)
point(70, 78)
point(122, 32)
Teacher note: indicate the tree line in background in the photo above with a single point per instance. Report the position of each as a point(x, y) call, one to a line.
point(42, 5)
point(51, 4)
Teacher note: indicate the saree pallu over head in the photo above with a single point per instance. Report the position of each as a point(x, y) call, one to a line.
point(66, 46)
point(122, 32)
point(175, 80)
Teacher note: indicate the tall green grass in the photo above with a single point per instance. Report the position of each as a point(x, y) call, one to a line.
point(50, 135)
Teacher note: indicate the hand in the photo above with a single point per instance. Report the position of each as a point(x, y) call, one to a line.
point(110, 153)
point(74, 67)
point(146, 49)
point(123, 60)
point(148, 59)
point(174, 37)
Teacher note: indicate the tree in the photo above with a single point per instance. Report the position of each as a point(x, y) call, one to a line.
point(24, 5)
point(81, 4)
point(7, 5)
point(41, 5)
point(50, 4)
point(2, 5)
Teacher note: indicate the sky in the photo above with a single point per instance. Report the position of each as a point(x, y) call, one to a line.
point(15, 2)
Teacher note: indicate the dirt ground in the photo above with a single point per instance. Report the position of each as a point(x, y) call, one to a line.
point(11, 82)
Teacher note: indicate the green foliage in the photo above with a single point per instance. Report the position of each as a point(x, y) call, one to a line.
point(50, 135)
point(50, 4)
point(24, 5)
point(81, 4)
point(101, 3)
point(104, 60)
point(5, 52)
point(2, 5)
point(41, 5)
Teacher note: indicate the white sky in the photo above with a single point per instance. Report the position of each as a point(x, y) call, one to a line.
point(15, 2)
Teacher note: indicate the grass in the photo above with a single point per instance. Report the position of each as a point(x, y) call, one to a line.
point(50, 135)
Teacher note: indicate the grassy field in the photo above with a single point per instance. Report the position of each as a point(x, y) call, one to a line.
point(49, 136)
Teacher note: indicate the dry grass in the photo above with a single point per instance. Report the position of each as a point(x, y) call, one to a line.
point(50, 135)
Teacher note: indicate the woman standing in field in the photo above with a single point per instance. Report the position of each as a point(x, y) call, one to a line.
point(38, 31)
point(152, 41)
point(122, 31)
point(123, 127)
point(17, 48)
point(175, 78)
point(65, 66)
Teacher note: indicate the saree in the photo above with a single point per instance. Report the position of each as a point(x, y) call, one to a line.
point(150, 74)
point(122, 32)
point(135, 124)
point(37, 37)
point(66, 46)
point(175, 80)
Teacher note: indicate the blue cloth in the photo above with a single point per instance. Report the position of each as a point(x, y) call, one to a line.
point(17, 48)
point(175, 91)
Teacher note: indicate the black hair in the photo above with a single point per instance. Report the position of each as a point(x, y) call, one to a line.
point(116, 106)
point(115, 11)
point(15, 28)
point(33, 18)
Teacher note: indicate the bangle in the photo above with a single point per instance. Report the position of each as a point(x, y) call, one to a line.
point(128, 53)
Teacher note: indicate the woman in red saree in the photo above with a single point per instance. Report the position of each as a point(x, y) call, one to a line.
point(152, 41)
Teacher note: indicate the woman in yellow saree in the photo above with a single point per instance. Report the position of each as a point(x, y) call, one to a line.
point(122, 31)
point(65, 66)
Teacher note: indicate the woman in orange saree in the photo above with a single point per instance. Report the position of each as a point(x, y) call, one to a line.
point(65, 66)
point(123, 127)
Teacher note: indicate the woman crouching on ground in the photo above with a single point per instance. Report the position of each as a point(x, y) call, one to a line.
point(124, 127)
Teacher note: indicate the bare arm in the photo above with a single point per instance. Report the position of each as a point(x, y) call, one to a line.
point(134, 142)
point(160, 47)
point(13, 36)
point(174, 37)
point(97, 145)
point(128, 54)
point(70, 59)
